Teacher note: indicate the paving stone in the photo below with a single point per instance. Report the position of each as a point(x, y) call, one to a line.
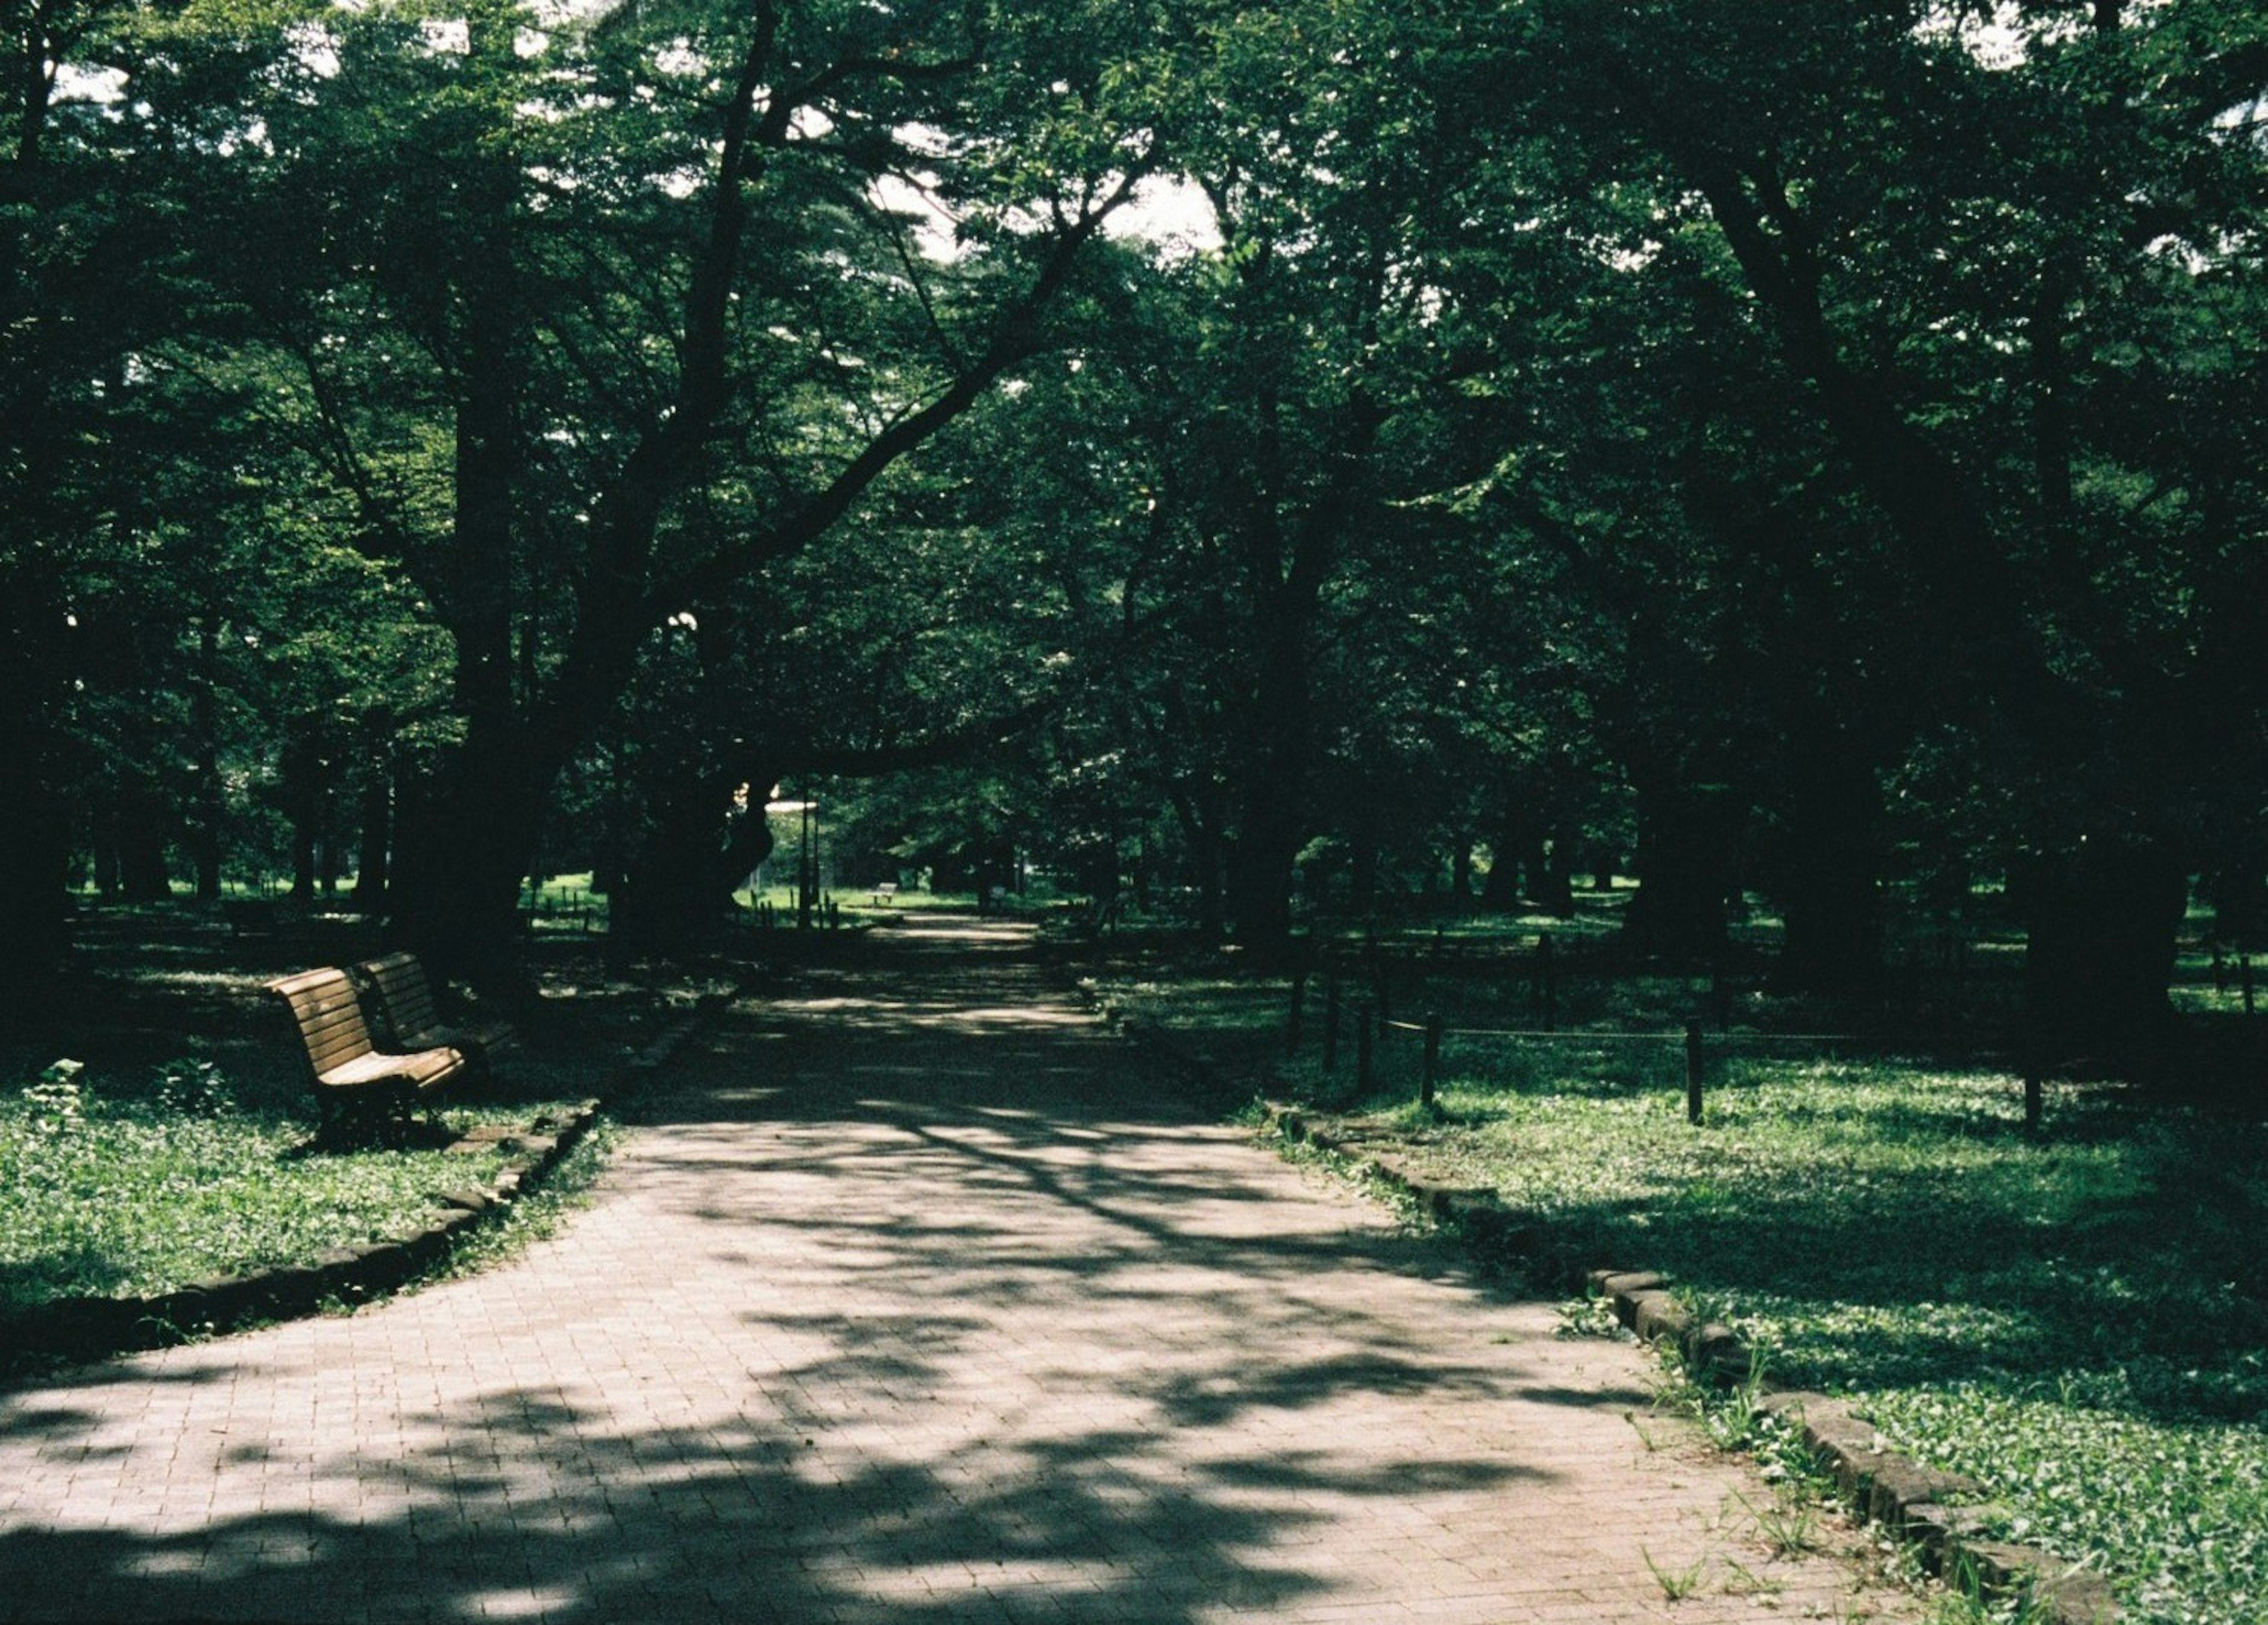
point(915, 1297)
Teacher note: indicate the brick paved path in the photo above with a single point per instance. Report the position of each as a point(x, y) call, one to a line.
point(913, 1299)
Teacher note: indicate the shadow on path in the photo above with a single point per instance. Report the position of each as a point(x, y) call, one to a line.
point(913, 1297)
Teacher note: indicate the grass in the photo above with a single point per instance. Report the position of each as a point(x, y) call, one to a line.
point(132, 1193)
point(2075, 1317)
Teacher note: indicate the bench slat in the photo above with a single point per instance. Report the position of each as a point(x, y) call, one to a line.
point(412, 1018)
point(335, 1042)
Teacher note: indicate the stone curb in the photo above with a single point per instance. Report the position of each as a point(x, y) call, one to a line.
point(1935, 1509)
point(674, 1037)
point(342, 1274)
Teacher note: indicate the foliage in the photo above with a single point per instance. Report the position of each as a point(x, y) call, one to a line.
point(2039, 1314)
point(2073, 1316)
point(193, 1086)
point(137, 1198)
point(56, 1104)
point(2177, 1509)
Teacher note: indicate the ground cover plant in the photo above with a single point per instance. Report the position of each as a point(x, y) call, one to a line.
point(2076, 1316)
point(126, 1188)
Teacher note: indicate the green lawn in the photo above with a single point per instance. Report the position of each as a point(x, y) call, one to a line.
point(131, 1196)
point(2077, 1318)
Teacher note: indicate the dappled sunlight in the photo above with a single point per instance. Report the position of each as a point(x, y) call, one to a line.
point(903, 1305)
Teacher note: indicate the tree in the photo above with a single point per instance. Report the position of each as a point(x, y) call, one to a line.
point(601, 321)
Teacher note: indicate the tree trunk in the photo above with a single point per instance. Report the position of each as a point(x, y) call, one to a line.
point(34, 858)
point(1259, 891)
point(301, 769)
point(1829, 898)
point(1554, 890)
point(142, 820)
point(2101, 922)
point(374, 855)
point(1500, 890)
point(678, 889)
point(1687, 837)
point(463, 841)
point(1273, 774)
point(2239, 893)
point(1199, 830)
point(205, 824)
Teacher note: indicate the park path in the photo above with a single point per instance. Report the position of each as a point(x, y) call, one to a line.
point(911, 1297)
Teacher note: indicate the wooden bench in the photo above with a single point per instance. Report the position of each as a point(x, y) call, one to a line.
point(884, 892)
point(409, 1019)
point(350, 1075)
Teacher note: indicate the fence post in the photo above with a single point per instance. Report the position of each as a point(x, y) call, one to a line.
point(1331, 1024)
point(1693, 1064)
point(1432, 1058)
point(2244, 975)
point(1299, 1011)
point(1363, 1075)
point(1551, 985)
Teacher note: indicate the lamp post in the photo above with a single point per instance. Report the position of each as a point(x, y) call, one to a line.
point(806, 874)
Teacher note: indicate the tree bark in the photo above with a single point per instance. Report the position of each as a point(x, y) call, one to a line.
point(2102, 921)
point(1829, 896)
point(1500, 890)
point(34, 861)
point(1554, 887)
point(374, 852)
point(204, 831)
point(1687, 834)
point(143, 821)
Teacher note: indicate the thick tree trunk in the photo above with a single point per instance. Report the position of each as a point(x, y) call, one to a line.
point(463, 840)
point(1259, 894)
point(679, 887)
point(373, 866)
point(303, 772)
point(1830, 894)
point(2101, 922)
point(1272, 781)
point(1554, 886)
point(1500, 890)
point(1687, 837)
point(35, 857)
point(142, 827)
point(2239, 892)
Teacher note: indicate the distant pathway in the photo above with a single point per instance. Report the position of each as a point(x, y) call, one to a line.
point(913, 1299)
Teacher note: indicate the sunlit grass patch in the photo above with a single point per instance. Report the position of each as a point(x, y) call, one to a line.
point(2079, 1306)
point(2077, 1316)
point(2179, 1508)
point(129, 1198)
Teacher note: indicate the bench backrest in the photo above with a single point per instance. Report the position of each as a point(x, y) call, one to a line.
point(329, 1015)
point(405, 998)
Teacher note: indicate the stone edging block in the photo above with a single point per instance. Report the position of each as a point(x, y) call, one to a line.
point(1933, 1508)
point(667, 1043)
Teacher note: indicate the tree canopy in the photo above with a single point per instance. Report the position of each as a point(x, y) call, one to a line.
point(1764, 445)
